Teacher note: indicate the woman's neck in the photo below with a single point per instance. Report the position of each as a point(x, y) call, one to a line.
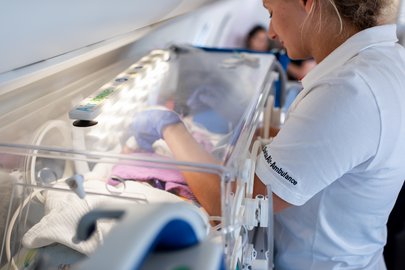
point(327, 41)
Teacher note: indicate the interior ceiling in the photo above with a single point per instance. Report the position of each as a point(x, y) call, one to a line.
point(34, 31)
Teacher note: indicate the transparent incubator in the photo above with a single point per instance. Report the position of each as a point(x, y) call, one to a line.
point(84, 195)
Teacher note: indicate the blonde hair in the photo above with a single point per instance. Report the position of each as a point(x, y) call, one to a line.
point(361, 14)
point(323, 10)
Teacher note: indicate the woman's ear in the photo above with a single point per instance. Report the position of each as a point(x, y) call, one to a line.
point(307, 4)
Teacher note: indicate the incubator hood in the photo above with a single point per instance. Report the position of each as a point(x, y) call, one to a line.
point(67, 146)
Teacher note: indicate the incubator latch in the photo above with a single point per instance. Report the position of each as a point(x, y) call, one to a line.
point(256, 212)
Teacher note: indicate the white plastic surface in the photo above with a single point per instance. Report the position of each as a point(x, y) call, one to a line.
point(35, 31)
point(145, 222)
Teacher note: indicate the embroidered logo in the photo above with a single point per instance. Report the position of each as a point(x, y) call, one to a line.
point(277, 169)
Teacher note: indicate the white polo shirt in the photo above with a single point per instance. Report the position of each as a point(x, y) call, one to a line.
point(340, 157)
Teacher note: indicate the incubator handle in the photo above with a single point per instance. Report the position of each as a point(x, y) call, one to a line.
point(142, 229)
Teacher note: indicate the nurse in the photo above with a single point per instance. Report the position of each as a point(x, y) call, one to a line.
point(337, 164)
point(343, 142)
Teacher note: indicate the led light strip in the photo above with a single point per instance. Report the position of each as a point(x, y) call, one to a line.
point(114, 104)
point(148, 71)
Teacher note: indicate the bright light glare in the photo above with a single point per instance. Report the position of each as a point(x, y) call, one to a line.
point(132, 87)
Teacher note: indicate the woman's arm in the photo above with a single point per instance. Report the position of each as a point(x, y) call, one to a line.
point(205, 187)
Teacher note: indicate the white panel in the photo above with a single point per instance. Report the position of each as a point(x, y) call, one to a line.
point(205, 27)
point(33, 31)
point(210, 26)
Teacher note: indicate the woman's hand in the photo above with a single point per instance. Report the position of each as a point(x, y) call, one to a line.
point(148, 125)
